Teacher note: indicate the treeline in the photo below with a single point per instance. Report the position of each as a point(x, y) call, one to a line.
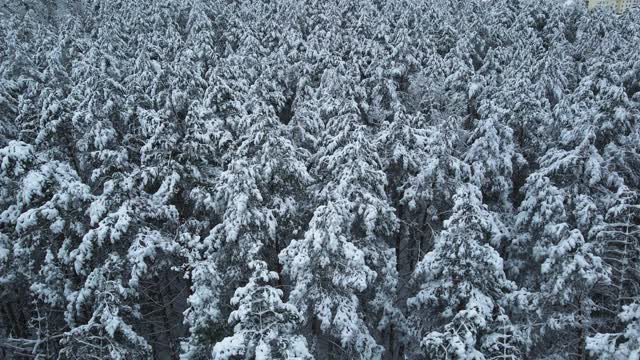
point(337, 179)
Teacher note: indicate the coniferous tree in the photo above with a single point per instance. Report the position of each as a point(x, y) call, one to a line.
point(264, 325)
point(461, 282)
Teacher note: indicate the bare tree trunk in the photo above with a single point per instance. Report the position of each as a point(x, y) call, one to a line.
point(581, 332)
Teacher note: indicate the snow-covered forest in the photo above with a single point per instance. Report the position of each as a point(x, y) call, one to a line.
point(302, 179)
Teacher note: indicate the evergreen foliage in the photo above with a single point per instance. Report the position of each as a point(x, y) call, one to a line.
point(402, 179)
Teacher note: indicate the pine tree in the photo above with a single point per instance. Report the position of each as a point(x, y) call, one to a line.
point(428, 196)
point(543, 205)
point(619, 233)
point(571, 266)
point(492, 155)
point(623, 345)
point(44, 214)
point(264, 325)
point(343, 253)
point(106, 332)
point(246, 225)
point(460, 281)
point(258, 198)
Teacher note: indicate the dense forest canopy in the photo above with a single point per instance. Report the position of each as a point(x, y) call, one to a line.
point(300, 179)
